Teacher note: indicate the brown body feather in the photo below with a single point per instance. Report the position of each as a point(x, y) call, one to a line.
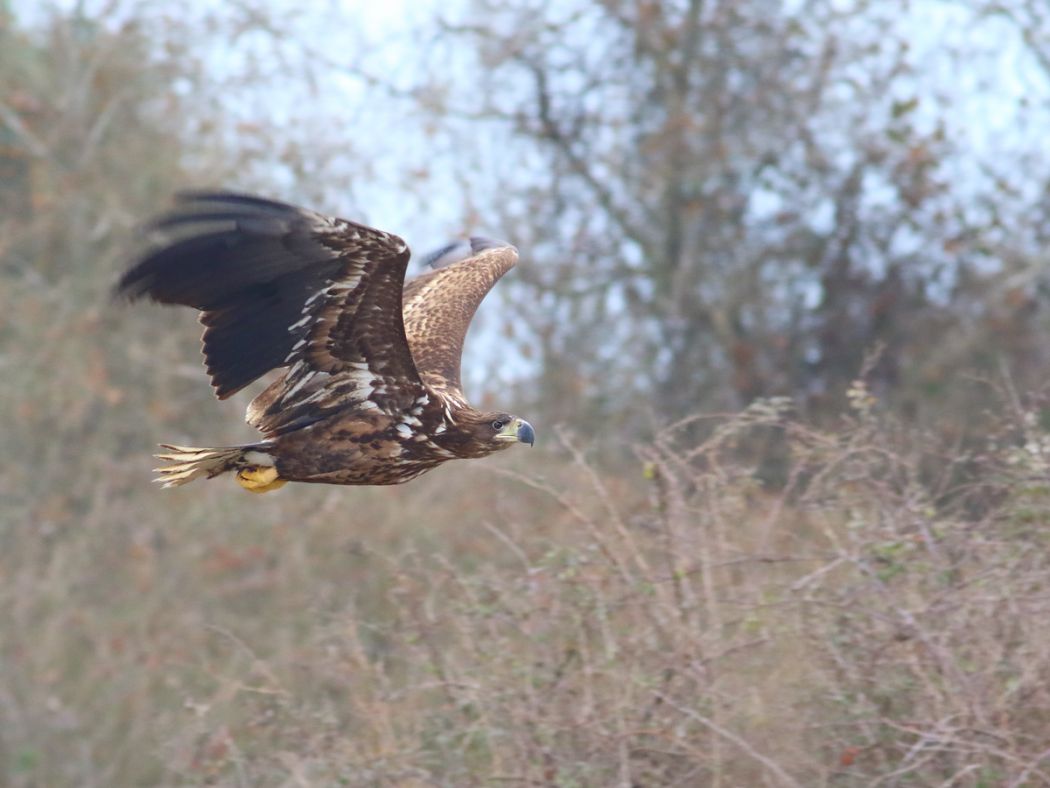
point(370, 392)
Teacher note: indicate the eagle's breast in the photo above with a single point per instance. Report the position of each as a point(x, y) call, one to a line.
point(367, 446)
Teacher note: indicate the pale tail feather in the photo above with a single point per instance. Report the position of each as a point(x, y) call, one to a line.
point(191, 463)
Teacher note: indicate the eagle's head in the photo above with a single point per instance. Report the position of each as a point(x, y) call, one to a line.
point(484, 433)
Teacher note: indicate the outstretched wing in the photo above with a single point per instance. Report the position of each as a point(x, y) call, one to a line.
point(279, 286)
point(439, 305)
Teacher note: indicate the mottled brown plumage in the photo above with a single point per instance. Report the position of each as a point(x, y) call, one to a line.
point(370, 391)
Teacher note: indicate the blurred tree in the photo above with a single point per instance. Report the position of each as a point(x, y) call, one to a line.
point(94, 112)
point(725, 200)
point(93, 126)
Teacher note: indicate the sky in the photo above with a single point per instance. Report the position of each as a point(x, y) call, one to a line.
point(385, 39)
point(379, 37)
point(990, 95)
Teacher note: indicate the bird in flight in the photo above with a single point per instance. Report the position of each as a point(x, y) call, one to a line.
point(370, 389)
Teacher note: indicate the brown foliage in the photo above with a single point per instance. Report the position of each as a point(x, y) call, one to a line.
point(726, 200)
point(869, 623)
point(743, 600)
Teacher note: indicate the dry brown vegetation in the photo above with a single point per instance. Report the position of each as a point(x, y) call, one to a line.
point(844, 591)
point(880, 619)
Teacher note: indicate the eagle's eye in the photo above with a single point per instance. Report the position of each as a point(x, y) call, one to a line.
point(497, 425)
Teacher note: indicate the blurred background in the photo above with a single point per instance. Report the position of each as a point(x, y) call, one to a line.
point(780, 323)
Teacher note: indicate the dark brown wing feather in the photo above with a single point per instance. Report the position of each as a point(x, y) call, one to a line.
point(278, 286)
point(439, 306)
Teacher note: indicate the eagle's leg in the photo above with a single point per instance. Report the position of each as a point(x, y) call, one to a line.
point(260, 478)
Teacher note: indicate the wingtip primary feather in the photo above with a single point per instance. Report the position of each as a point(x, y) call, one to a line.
point(462, 248)
point(480, 244)
point(450, 253)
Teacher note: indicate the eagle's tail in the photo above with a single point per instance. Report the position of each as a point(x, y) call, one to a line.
point(254, 466)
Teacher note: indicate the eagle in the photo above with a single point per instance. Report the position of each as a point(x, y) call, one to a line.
point(369, 389)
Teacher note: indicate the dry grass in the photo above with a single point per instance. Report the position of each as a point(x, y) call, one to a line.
point(877, 616)
point(527, 621)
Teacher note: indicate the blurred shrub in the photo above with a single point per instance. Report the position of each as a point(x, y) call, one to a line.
point(869, 621)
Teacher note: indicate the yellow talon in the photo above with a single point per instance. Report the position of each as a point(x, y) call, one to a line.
point(260, 478)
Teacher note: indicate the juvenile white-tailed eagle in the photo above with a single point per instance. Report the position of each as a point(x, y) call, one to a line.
point(370, 392)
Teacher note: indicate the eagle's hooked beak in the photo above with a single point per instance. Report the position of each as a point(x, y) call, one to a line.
point(525, 432)
point(518, 430)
